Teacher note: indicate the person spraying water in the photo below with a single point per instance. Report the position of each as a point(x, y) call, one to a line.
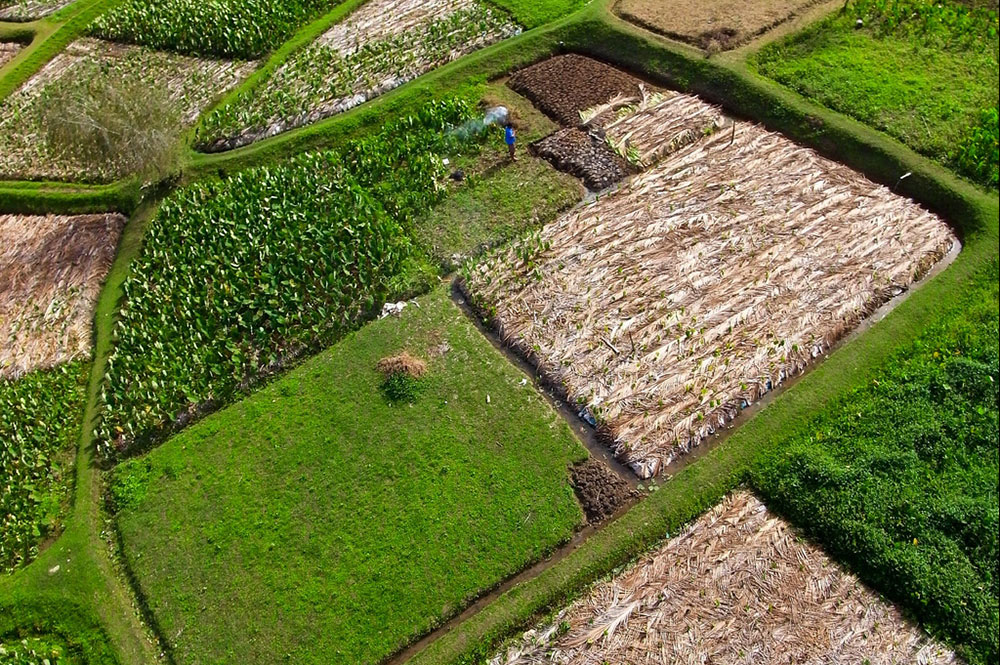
point(510, 138)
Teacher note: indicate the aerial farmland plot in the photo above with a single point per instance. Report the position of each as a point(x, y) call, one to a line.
point(520, 332)
point(378, 47)
point(183, 84)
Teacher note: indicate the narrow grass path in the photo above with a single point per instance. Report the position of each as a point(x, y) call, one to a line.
point(77, 570)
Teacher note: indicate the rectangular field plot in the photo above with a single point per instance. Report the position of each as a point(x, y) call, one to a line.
point(28, 10)
point(51, 271)
point(737, 586)
point(715, 25)
point(669, 305)
point(185, 86)
point(335, 516)
point(378, 47)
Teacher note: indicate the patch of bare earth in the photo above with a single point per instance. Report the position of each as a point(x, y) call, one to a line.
point(600, 491)
point(584, 155)
point(8, 51)
point(714, 25)
point(51, 272)
point(737, 586)
point(679, 299)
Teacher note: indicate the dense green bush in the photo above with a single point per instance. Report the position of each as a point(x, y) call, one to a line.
point(899, 478)
point(978, 155)
point(239, 276)
point(40, 417)
point(227, 28)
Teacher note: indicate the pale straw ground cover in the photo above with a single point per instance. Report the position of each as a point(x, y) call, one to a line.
point(736, 586)
point(191, 84)
point(8, 51)
point(51, 272)
point(27, 10)
point(674, 302)
point(378, 47)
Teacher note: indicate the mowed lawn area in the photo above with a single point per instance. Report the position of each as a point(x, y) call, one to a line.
point(318, 522)
point(923, 72)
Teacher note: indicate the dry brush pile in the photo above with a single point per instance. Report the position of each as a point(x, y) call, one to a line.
point(736, 586)
point(29, 10)
point(51, 272)
point(187, 85)
point(8, 51)
point(678, 300)
point(380, 46)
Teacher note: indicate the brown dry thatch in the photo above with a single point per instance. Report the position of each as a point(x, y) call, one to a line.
point(735, 587)
point(369, 22)
point(51, 271)
point(8, 51)
point(402, 363)
point(681, 298)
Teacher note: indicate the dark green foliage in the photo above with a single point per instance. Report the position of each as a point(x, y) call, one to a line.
point(401, 387)
point(899, 478)
point(46, 625)
point(129, 481)
point(237, 277)
point(533, 13)
point(924, 72)
point(40, 416)
point(226, 28)
point(33, 651)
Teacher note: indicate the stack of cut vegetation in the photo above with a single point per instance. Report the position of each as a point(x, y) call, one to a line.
point(736, 586)
point(566, 85)
point(8, 51)
point(646, 130)
point(382, 45)
point(600, 490)
point(678, 300)
point(186, 85)
point(715, 25)
point(28, 10)
point(51, 270)
point(583, 155)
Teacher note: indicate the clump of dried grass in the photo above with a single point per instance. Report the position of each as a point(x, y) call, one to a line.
point(51, 271)
point(402, 363)
point(8, 51)
point(736, 586)
point(673, 303)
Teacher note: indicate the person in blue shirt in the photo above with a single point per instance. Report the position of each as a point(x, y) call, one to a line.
point(510, 138)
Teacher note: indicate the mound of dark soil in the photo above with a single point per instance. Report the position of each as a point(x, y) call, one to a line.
point(600, 491)
point(567, 84)
point(591, 159)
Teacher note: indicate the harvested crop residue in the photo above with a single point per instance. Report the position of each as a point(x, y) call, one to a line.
point(737, 586)
point(681, 298)
point(8, 51)
point(378, 47)
point(565, 85)
point(191, 84)
point(402, 363)
point(713, 25)
point(28, 10)
point(587, 157)
point(600, 490)
point(51, 271)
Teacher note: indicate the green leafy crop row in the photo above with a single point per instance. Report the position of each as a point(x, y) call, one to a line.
point(899, 478)
point(227, 28)
point(33, 651)
point(40, 416)
point(239, 276)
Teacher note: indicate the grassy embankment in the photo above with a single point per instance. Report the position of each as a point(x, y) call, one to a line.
point(321, 522)
point(925, 73)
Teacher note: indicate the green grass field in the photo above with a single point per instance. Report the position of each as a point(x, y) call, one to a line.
point(317, 522)
point(929, 87)
point(899, 477)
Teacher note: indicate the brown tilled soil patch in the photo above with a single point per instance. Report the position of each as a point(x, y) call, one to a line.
point(51, 271)
point(738, 586)
point(713, 25)
point(567, 84)
point(591, 159)
point(600, 490)
point(8, 50)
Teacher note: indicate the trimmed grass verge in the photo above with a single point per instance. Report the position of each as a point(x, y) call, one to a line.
point(320, 522)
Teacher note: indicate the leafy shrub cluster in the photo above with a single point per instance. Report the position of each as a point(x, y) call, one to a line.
point(32, 651)
point(899, 478)
point(239, 276)
point(947, 23)
point(226, 28)
point(309, 85)
point(40, 416)
point(978, 155)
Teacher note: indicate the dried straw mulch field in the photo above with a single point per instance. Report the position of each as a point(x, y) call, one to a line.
point(698, 286)
point(27, 10)
point(51, 272)
point(714, 25)
point(735, 587)
point(191, 84)
point(8, 50)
